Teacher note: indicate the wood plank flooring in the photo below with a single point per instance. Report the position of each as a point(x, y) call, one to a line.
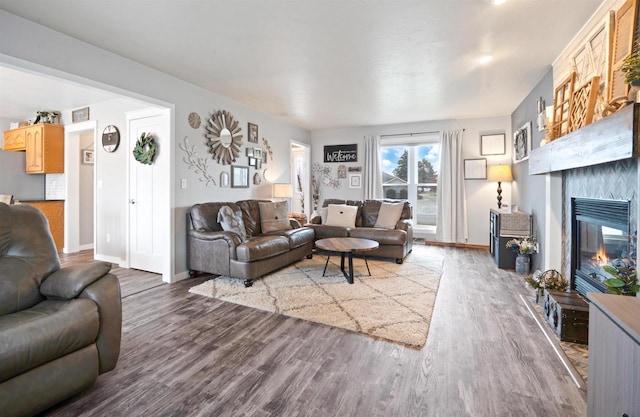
point(188, 355)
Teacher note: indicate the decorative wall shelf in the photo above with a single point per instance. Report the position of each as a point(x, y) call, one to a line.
point(609, 139)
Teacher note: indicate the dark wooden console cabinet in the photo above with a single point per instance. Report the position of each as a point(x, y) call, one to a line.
point(502, 228)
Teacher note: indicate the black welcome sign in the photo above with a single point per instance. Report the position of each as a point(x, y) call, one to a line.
point(341, 153)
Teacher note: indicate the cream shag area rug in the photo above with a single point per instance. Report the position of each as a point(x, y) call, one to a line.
point(395, 303)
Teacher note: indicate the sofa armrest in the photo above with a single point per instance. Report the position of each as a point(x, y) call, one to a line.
point(67, 283)
point(231, 238)
point(316, 219)
point(295, 224)
point(404, 224)
point(105, 292)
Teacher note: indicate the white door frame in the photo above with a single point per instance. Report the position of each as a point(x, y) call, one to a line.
point(72, 184)
point(169, 247)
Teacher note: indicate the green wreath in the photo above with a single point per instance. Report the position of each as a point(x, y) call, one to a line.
point(146, 148)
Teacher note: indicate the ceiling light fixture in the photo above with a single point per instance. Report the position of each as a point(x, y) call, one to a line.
point(485, 59)
point(498, 2)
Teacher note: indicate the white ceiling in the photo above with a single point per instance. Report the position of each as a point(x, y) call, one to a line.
point(327, 63)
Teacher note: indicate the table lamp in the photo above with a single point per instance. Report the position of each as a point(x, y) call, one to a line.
point(499, 174)
point(282, 190)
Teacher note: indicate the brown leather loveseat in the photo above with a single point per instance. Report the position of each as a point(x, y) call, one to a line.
point(251, 251)
point(59, 328)
point(395, 241)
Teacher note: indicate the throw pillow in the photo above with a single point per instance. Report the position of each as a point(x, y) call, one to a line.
point(342, 215)
point(323, 214)
point(273, 216)
point(232, 222)
point(389, 215)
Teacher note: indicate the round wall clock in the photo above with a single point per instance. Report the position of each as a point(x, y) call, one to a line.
point(110, 138)
point(194, 120)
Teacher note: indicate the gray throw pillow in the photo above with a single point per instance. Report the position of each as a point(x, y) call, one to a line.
point(232, 222)
point(389, 215)
point(274, 216)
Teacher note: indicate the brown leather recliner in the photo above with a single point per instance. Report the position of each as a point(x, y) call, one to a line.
point(59, 328)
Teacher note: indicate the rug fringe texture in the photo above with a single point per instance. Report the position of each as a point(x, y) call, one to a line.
point(395, 303)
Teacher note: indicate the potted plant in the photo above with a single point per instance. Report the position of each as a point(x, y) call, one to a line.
point(550, 279)
point(625, 278)
point(631, 69)
point(523, 247)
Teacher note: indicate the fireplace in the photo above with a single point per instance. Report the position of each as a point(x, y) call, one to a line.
point(600, 236)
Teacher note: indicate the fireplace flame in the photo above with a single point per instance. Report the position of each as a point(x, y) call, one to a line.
point(601, 257)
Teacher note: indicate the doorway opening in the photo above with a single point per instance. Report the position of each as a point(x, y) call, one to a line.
point(300, 169)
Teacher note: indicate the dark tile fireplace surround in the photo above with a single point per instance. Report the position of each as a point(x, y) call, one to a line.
point(616, 185)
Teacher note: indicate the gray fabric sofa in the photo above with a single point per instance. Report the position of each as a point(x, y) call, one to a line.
point(212, 250)
point(59, 328)
point(394, 243)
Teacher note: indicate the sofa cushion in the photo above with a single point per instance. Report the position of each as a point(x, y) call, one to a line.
point(323, 231)
point(342, 215)
point(261, 247)
point(389, 215)
point(231, 221)
point(251, 215)
point(204, 216)
point(297, 237)
point(47, 331)
point(274, 216)
point(371, 208)
point(382, 236)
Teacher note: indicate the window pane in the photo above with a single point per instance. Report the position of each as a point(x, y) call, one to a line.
point(411, 172)
point(428, 165)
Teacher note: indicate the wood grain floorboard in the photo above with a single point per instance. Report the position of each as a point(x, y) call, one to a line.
point(188, 355)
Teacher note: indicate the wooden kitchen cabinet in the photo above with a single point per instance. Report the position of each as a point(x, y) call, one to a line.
point(45, 149)
point(44, 146)
point(53, 210)
point(14, 140)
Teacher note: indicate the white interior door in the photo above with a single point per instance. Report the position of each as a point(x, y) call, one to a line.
point(148, 194)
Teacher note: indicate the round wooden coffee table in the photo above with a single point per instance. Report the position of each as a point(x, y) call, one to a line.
point(344, 246)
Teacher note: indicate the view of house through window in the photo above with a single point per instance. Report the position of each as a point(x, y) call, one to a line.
point(410, 171)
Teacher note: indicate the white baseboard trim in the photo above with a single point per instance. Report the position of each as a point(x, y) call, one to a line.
point(106, 258)
point(86, 247)
point(181, 276)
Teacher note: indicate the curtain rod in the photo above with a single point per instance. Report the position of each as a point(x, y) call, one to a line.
point(412, 134)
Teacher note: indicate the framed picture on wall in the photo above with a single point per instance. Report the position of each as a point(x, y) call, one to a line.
point(87, 156)
point(522, 143)
point(355, 180)
point(493, 144)
point(239, 177)
point(475, 169)
point(252, 136)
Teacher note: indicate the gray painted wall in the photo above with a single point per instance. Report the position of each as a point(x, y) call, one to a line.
point(529, 190)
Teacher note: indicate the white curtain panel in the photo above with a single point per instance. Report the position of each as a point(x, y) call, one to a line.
point(451, 199)
point(372, 180)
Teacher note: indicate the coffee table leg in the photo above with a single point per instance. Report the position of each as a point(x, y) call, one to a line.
point(342, 261)
point(350, 279)
point(325, 265)
point(366, 263)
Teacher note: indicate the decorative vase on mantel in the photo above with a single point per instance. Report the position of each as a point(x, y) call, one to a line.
point(523, 264)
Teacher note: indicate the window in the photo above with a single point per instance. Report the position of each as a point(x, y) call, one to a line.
point(410, 171)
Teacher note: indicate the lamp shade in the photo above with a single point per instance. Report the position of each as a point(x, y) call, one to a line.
point(499, 173)
point(281, 190)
